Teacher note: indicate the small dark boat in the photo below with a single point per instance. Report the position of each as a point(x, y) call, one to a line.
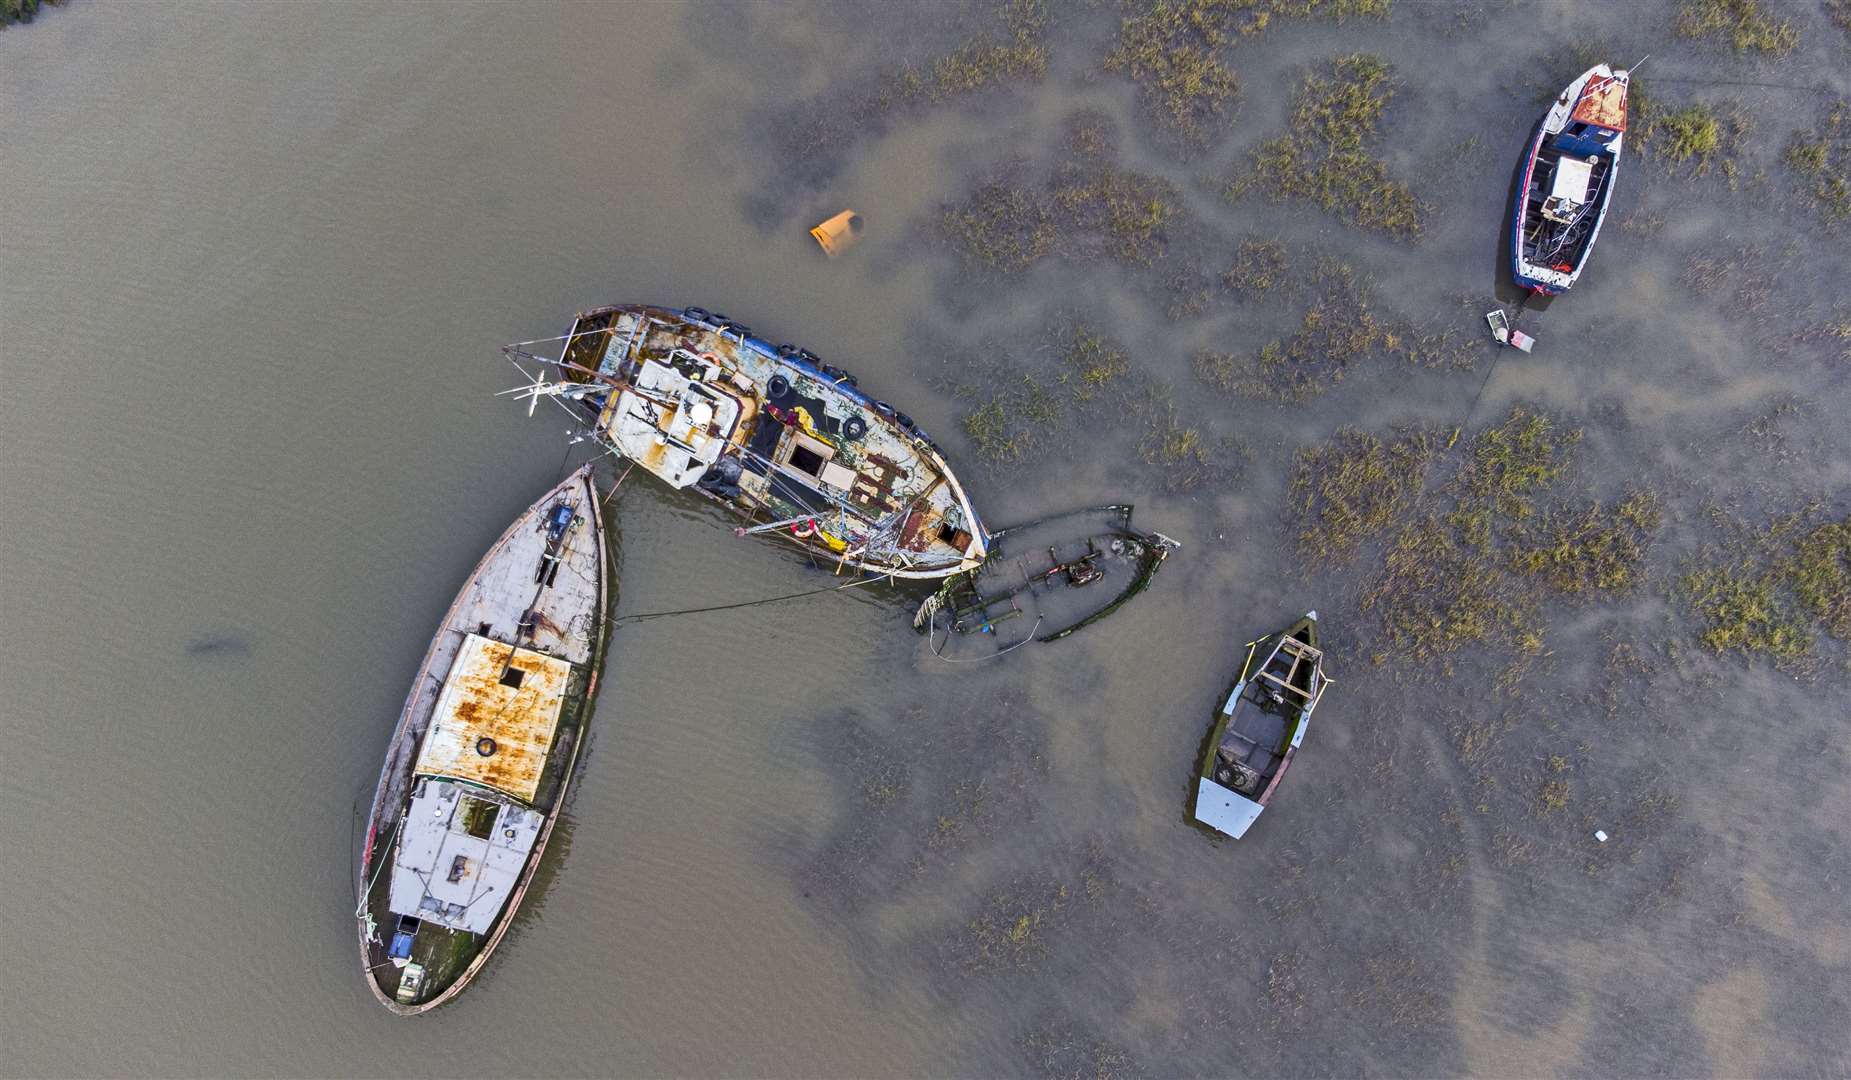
point(1259, 728)
point(770, 430)
point(1568, 181)
point(1041, 582)
point(483, 753)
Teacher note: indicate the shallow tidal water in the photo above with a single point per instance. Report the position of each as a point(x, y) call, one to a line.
point(258, 260)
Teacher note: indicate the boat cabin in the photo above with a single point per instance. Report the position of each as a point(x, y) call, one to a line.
point(466, 835)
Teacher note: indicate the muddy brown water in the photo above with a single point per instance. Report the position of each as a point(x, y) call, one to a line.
point(257, 262)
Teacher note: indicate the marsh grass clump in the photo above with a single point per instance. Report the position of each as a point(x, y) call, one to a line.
point(982, 62)
point(1699, 136)
point(1822, 160)
point(1839, 11)
point(1087, 208)
point(1513, 461)
point(1483, 548)
point(1187, 458)
point(1011, 930)
point(22, 11)
point(1354, 487)
point(1765, 592)
point(1743, 23)
point(1340, 327)
point(1325, 159)
point(1819, 573)
point(1000, 226)
point(1028, 411)
point(1170, 49)
point(1438, 592)
point(1100, 205)
point(1259, 266)
point(1092, 363)
point(1597, 549)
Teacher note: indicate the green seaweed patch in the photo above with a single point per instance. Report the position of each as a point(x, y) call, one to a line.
point(1596, 549)
point(1170, 49)
point(1340, 327)
point(1821, 158)
point(1355, 487)
point(1742, 23)
point(1325, 158)
point(1839, 11)
point(1764, 593)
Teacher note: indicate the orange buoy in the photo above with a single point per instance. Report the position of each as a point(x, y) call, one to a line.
point(839, 233)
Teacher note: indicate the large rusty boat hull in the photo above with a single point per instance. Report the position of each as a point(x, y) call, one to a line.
point(484, 751)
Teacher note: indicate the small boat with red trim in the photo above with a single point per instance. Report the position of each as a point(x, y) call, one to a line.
point(1568, 181)
point(1260, 727)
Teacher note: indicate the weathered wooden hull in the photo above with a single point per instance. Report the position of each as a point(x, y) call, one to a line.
point(789, 442)
point(395, 779)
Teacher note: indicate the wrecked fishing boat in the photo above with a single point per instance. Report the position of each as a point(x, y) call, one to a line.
point(1259, 728)
point(789, 441)
point(479, 763)
point(1568, 181)
point(1042, 581)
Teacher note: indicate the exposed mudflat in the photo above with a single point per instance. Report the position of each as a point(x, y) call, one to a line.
point(259, 262)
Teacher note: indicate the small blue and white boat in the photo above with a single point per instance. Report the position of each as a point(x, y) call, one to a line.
point(1568, 180)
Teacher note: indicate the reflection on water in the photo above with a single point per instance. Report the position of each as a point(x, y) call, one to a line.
point(262, 259)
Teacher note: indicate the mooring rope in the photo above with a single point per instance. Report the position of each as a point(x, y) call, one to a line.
point(745, 603)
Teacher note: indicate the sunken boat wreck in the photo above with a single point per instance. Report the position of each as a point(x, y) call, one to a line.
point(483, 753)
point(788, 441)
point(1260, 727)
point(1568, 181)
point(1042, 581)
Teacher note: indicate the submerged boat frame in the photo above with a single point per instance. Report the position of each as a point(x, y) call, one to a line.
point(1260, 726)
point(1041, 569)
point(521, 785)
point(770, 430)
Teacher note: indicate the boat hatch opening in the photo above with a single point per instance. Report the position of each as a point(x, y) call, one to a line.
point(402, 937)
point(807, 460)
point(478, 817)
